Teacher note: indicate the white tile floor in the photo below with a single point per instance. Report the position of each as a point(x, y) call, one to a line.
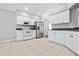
point(35, 47)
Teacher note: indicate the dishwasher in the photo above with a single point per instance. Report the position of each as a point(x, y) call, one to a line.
point(20, 34)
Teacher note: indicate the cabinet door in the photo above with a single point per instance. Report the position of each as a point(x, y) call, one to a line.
point(32, 22)
point(19, 34)
point(57, 18)
point(66, 15)
point(69, 39)
point(51, 36)
point(76, 42)
point(33, 33)
point(63, 17)
point(60, 18)
point(59, 37)
point(20, 19)
point(78, 21)
point(54, 19)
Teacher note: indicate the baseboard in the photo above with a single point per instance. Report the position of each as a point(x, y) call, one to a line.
point(14, 40)
point(8, 40)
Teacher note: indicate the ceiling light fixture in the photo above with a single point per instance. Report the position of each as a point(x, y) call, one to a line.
point(26, 8)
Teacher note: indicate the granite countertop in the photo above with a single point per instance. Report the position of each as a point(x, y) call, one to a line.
point(65, 29)
point(19, 29)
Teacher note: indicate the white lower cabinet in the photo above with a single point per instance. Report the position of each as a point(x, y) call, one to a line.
point(76, 42)
point(56, 36)
point(69, 39)
point(33, 33)
point(51, 36)
point(59, 37)
point(19, 34)
point(72, 41)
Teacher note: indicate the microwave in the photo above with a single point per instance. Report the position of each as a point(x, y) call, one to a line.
point(26, 22)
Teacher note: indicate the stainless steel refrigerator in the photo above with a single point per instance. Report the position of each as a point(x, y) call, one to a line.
point(39, 29)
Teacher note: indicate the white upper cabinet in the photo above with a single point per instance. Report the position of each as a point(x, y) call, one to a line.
point(62, 17)
point(61, 14)
point(20, 19)
point(66, 16)
point(72, 41)
point(74, 15)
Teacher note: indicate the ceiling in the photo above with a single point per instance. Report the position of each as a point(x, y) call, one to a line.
point(32, 7)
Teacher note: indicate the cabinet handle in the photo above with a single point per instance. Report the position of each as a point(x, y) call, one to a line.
point(71, 36)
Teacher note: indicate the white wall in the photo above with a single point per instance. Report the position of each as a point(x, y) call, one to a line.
point(46, 23)
point(45, 26)
point(7, 24)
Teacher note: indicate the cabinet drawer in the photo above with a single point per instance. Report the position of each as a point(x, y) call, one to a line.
point(69, 36)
